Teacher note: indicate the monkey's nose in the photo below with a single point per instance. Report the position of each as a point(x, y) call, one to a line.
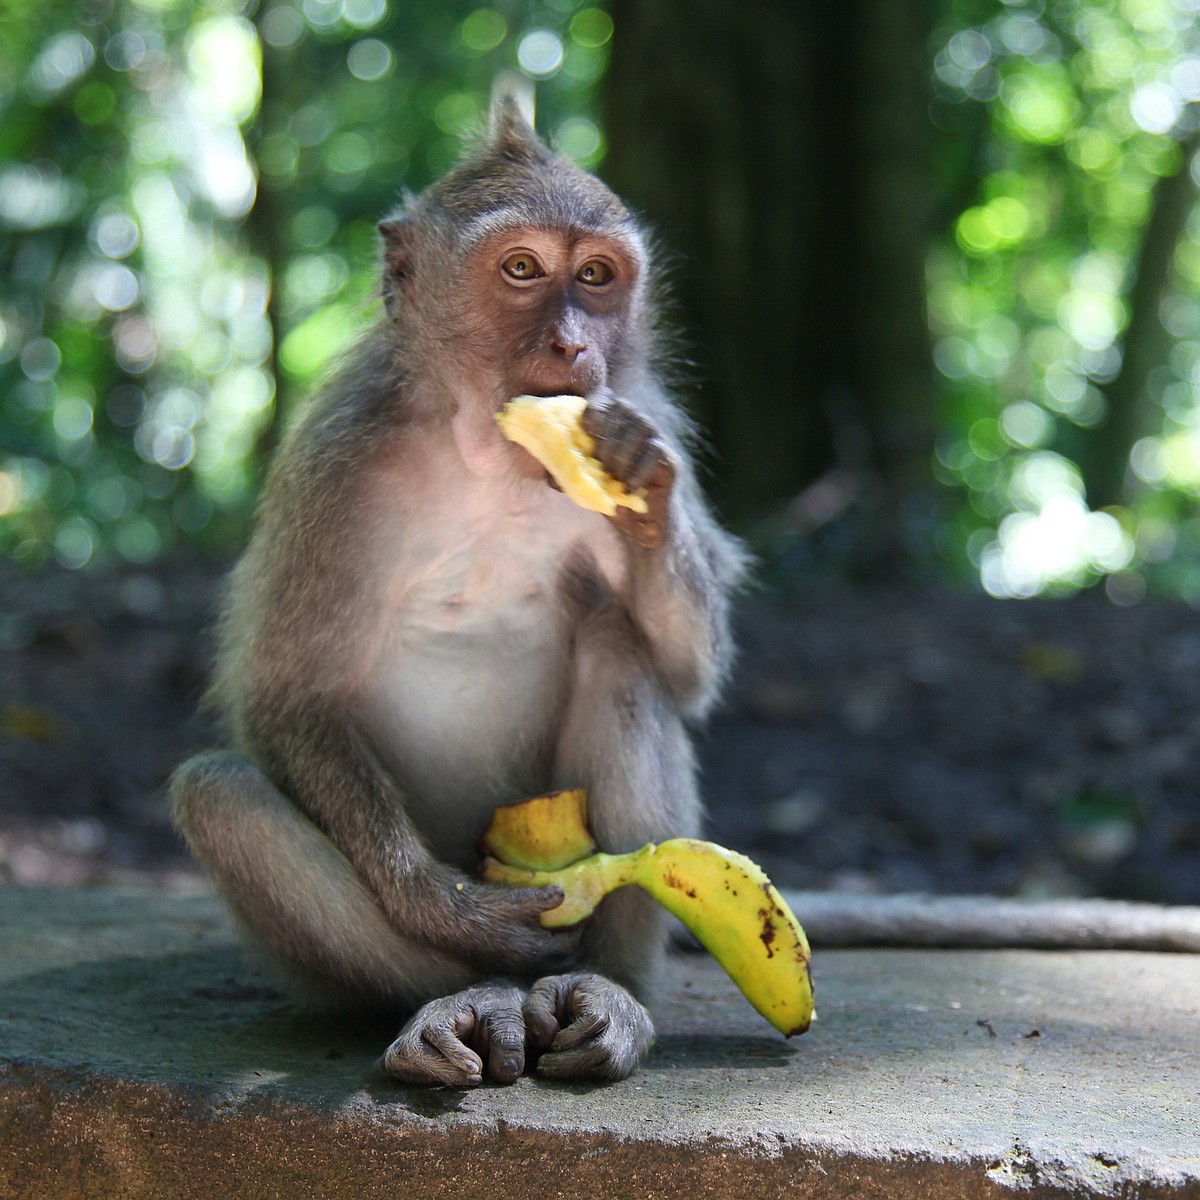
point(569, 350)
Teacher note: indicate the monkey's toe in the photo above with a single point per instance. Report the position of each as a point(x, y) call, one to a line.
point(447, 1042)
point(411, 1058)
point(588, 1028)
point(605, 1057)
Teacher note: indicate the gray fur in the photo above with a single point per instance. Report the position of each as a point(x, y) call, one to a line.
point(421, 629)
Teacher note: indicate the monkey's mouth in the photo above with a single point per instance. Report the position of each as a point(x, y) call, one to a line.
point(570, 387)
point(559, 379)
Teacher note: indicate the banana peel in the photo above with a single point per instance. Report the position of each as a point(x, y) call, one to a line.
point(722, 897)
point(542, 834)
point(550, 428)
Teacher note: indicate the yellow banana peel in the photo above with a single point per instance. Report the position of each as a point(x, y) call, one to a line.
point(550, 428)
point(723, 897)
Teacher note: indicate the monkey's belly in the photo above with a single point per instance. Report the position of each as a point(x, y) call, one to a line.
point(466, 723)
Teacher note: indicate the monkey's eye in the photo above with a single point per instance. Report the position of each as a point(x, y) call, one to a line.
point(595, 272)
point(522, 265)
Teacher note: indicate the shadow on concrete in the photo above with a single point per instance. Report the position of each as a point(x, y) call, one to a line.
point(720, 1051)
point(213, 1020)
point(206, 1021)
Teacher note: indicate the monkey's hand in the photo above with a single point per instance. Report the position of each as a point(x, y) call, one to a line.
point(449, 1041)
point(631, 451)
point(586, 1027)
point(498, 929)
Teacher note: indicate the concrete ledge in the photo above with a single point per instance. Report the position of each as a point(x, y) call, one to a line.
point(141, 1057)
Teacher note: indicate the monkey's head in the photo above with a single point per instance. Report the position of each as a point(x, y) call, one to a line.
point(517, 270)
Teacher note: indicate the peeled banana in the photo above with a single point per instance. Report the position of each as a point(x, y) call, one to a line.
point(550, 428)
point(721, 896)
point(543, 834)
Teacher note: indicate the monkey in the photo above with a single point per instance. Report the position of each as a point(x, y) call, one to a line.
point(422, 628)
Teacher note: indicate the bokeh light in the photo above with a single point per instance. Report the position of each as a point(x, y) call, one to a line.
point(209, 250)
point(540, 54)
point(192, 245)
point(1031, 303)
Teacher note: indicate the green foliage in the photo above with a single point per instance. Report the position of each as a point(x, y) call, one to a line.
point(1069, 112)
point(188, 194)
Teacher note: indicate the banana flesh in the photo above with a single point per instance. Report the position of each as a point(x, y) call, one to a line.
point(721, 896)
point(549, 428)
point(544, 833)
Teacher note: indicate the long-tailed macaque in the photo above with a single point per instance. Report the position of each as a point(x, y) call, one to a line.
point(422, 628)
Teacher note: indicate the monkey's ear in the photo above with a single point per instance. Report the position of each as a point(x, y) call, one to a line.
point(510, 135)
point(398, 235)
point(399, 238)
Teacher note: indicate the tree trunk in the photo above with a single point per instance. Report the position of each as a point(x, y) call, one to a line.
point(1131, 409)
point(264, 229)
point(779, 149)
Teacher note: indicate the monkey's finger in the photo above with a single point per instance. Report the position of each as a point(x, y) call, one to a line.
point(607, 416)
point(659, 484)
point(451, 1056)
point(599, 417)
point(522, 906)
point(584, 1028)
point(540, 900)
point(545, 1009)
point(620, 450)
point(647, 532)
point(644, 465)
point(501, 1033)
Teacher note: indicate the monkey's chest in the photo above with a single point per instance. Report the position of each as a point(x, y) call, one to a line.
point(465, 703)
point(475, 658)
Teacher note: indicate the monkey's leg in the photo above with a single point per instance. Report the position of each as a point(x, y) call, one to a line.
point(296, 895)
point(624, 740)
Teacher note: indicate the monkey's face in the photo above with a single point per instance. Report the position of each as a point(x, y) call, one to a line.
point(550, 310)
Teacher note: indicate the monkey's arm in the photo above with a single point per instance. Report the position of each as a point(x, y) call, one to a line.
point(680, 598)
point(683, 566)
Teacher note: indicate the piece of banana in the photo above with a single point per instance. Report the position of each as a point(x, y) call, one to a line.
point(550, 428)
point(544, 833)
point(721, 896)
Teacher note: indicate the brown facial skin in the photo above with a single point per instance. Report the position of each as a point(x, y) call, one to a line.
point(558, 307)
point(417, 634)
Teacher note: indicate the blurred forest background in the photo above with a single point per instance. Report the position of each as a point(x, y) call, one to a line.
point(937, 264)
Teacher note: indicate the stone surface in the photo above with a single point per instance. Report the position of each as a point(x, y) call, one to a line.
point(141, 1056)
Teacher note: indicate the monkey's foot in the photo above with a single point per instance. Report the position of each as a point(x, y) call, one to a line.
point(586, 1027)
point(450, 1041)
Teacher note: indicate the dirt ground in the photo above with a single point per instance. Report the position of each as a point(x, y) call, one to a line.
point(895, 740)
